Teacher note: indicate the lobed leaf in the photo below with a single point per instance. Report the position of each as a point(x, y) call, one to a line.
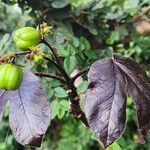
point(112, 79)
point(138, 86)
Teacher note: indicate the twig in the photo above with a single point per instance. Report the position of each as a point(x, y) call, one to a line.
point(59, 68)
point(50, 76)
point(22, 53)
point(138, 17)
point(80, 73)
point(75, 109)
point(53, 50)
point(79, 23)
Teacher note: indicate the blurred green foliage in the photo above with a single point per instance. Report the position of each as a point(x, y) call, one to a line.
point(83, 32)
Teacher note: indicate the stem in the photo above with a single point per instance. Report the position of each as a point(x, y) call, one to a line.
point(75, 109)
point(59, 68)
point(19, 53)
point(80, 73)
point(22, 53)
point(138, 17)
point(49, 76)
point(53, 50)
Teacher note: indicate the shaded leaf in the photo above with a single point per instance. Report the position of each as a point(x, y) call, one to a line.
point(105, 101)
point(59, 4)
point(111, 81)
point(29, 112)
point(139, 89)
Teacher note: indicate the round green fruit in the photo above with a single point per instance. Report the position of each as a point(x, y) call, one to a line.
point(26, 37)
point(38, 59)
point(11, 76)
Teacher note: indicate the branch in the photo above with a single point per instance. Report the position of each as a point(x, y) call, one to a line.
point(80, 73)
point(50, 76)
point(13, 56)
point(53, 50)
point(144, 11)
point(75, 109)
point(19, 53)
point(59, 68)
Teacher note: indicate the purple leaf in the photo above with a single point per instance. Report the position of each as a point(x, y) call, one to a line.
point(29, 112)
point(4, 97)
point(105, 101)
point(139, 89)
point(112, 80)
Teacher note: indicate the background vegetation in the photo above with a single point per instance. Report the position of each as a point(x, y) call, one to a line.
point(83, 31)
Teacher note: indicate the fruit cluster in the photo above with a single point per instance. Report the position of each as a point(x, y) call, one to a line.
point(27, 38)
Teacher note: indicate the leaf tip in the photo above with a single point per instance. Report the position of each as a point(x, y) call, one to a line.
point(35, 142)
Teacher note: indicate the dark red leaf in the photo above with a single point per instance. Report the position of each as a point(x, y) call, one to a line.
point(111, 80)
point(29, 112)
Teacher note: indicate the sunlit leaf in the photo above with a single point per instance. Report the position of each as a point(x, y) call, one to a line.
point(29, 112)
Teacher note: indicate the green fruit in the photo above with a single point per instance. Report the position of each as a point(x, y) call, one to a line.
point(26, 37)
point(11, 76)
point(38, 59)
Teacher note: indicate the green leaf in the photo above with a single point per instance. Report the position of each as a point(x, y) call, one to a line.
point(60, 92)
point(55, 108)
point(81, 46)
point(114, 37)
point(114, 146)
point(60, 38)
point(64, 104)
point(75, 42)
point(83, 87)
point(63, 107)
point(78, 3)
point(61, 113)
point(59, 3)
point(66, 51)
point(93, 31)
point(4, 43)
point(85, 42)
point(71, 49)
point(54, 83)
point(131, 6)
point(70, 63)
